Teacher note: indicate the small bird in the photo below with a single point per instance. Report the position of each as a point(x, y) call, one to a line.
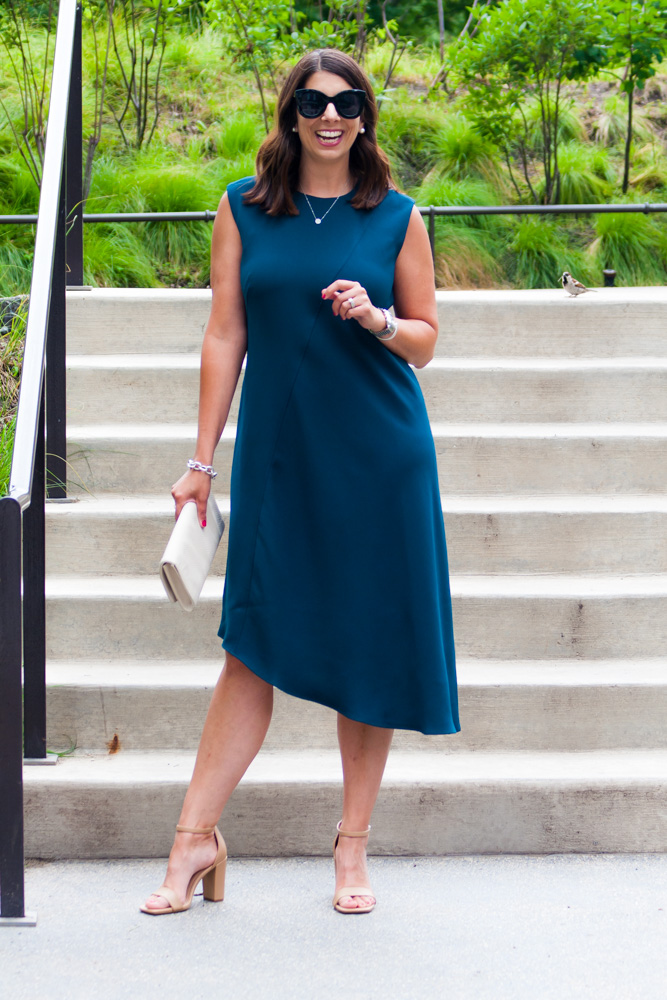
point(573, 286)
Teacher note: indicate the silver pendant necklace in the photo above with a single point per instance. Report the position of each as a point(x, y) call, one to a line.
point(319, 221)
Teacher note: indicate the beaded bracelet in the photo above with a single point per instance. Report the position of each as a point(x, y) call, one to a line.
point(198, 467)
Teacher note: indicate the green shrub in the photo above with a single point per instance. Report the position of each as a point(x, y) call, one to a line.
point(612, 123)
point(6, 446)
point(458, 150)
point(441, 189)
point(18, 192)
point(239, 137)
point(117, 256)
point(633, 245)
point(570, 125)
point(649, 168)
point(586, 174)
point(405, 132)
point(465, 257)
point(538, 253)
point(15, 259)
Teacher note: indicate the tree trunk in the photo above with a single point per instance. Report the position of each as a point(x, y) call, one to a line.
point(628, 142)
point(441, 27)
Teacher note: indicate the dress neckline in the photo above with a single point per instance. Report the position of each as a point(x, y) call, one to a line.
point(346, 194)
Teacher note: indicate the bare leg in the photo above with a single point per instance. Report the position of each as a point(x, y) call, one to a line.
point(235, 727)
point(363, 751)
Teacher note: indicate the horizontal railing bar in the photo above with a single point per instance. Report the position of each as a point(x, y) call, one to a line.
point(647, 208)
point(208, 216)
point(23, 458)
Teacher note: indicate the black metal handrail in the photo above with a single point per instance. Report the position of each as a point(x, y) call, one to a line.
point(645, 208)
point(430, 211)
point(41, 401)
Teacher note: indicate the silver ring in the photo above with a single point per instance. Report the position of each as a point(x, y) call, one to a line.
point(350, 303)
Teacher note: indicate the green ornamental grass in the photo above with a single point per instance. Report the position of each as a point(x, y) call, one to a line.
point(634, 245)
point(210, 127)
point(538, 253)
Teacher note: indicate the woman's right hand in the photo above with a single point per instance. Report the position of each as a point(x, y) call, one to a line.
point(195, 486)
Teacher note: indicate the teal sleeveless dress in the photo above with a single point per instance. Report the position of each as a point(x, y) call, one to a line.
point(337, 584)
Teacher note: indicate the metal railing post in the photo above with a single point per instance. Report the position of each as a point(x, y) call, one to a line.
point(431, 230)
point(56, 378)
point(34, 609)
point(12, 899)
point(74, 153)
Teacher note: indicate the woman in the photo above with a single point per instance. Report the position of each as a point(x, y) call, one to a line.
point(337, 586)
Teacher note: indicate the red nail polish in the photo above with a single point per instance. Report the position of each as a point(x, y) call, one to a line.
point(323, 295)
point(203, 524)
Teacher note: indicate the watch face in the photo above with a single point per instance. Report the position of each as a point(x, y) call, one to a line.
point(388, 319)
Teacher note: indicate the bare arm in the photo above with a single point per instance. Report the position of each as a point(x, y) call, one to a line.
point(223, 350)
point(414, 299)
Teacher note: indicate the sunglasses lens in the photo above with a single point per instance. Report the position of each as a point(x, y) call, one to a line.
point(349, 103)
point(310, 103)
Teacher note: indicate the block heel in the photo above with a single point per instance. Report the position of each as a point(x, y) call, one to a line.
point(214, 882)
point(213, 879)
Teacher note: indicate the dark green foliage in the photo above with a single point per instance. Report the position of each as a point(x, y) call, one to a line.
point(12, 337)
point(539, 252)
point(586, 174)
point(634, 245)
point(528, 49)
point(639, 41)
point(402, 134)
point(441, 153)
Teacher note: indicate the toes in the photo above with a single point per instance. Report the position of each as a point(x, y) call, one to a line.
point(156, 902)
point(354, 902)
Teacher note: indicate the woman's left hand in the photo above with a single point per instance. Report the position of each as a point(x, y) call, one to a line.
point(350, 301)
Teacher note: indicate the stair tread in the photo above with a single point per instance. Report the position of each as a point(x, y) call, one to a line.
point(618, 296)
point(154, 431)
point(635, 363)
point(495, 673)
point(602, 767)
point(560, 585)
point(112, 504)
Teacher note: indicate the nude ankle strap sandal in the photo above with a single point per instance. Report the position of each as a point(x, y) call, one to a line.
point(213, 878)
point(351, 890)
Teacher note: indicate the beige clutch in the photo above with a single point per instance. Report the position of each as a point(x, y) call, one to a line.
point(189, 553)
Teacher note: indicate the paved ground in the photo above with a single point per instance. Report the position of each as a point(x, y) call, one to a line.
point(478, 927)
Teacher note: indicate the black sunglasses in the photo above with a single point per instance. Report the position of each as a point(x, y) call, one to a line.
point(313, 103)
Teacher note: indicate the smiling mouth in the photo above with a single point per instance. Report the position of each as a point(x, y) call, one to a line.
point(329, 137)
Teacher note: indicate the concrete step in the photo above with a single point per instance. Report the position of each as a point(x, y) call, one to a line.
point(505, 617)
point(610, 323)
point(132, 388)
point(474, 459)
point(594, 534)
point(111, 534)
point(288, 804)
point(505, 706)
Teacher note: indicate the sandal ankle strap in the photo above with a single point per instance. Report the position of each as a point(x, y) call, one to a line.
point(194, 829)
point(352, 833)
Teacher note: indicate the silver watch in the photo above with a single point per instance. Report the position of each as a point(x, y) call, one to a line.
point(390, 329)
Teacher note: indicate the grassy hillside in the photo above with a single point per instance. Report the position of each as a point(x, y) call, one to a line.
point(210, 128)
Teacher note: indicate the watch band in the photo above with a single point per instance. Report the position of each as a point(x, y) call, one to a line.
point(391, 326)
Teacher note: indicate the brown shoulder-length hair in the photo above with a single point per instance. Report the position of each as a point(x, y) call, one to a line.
point(279, 155)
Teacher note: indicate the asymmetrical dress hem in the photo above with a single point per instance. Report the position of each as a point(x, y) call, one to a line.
point(337, 583)
point(266, 675)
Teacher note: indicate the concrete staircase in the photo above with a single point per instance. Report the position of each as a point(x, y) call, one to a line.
point(550, 421)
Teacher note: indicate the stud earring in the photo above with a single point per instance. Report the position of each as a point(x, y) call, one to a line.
point(294, 128)
point(362, 129)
